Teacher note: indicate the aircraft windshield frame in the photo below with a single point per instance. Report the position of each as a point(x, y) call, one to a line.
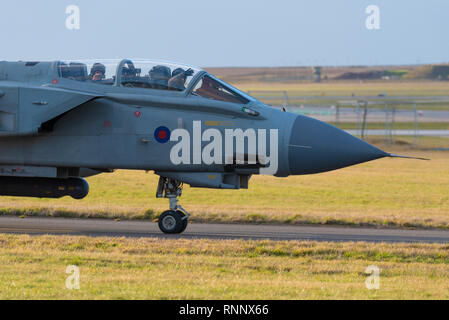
point(219, 90)
point(236, 90)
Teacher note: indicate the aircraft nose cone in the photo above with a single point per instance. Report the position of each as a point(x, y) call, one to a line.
point(316, 147)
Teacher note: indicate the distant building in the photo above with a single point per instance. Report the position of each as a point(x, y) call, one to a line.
point(440, 72)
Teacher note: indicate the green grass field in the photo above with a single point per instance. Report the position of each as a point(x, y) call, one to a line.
point(33, 267)
point(387, 193)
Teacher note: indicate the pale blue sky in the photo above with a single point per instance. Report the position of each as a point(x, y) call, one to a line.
point(231, 32)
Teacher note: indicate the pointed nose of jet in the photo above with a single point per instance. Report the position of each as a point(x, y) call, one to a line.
point(316, 147)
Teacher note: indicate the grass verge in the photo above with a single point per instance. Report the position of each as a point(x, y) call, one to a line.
point(33, 267)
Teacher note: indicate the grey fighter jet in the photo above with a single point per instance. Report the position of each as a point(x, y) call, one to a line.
point(61, 121)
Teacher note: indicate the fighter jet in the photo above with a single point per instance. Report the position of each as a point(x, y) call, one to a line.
point(62, 121)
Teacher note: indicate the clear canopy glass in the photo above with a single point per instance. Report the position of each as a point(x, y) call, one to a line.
point(98, 71)
point(156, 75)
point(148, 74)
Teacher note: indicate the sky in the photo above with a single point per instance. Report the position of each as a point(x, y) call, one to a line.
point(211, 33)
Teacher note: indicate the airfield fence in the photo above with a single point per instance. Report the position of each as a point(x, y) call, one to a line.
point(368, 115)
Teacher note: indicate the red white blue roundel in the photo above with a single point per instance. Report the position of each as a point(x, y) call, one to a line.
point(162, 134)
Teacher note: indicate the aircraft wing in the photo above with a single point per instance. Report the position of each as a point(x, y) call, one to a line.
point(25, 109)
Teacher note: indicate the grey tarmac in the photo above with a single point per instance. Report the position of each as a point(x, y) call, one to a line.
point(146, 229)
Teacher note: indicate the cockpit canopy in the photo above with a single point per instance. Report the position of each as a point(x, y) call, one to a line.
point(148, 74)
point(151, 74)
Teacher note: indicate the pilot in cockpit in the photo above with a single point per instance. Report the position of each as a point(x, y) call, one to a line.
point(159, 76)
point(97, 72)
point(178, 79)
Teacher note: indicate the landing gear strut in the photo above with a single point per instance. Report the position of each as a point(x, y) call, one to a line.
point(175, 220)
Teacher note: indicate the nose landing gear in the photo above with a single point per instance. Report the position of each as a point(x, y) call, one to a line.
point(175, 220)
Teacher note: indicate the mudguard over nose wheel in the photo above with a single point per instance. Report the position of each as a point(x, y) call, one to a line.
point(172, 222)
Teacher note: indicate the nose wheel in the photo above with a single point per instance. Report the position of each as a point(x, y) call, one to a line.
point(175, 220)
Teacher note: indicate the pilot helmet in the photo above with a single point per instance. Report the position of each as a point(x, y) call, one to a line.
point(160, 75)
point(177, 71)
point(97, 67)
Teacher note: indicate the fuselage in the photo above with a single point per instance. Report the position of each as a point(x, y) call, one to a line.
point(68, 120)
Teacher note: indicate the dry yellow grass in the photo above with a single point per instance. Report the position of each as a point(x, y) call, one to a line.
point(118, 268)
point(347, 88)
point(297, 91)
point(386, 192)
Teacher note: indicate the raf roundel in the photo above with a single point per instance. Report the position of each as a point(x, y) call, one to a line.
point(162, 134)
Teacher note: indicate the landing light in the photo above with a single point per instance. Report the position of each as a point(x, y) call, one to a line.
point(250, 111)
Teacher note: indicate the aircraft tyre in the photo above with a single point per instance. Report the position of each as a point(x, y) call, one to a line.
point(185, 221)
point(172, 222)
